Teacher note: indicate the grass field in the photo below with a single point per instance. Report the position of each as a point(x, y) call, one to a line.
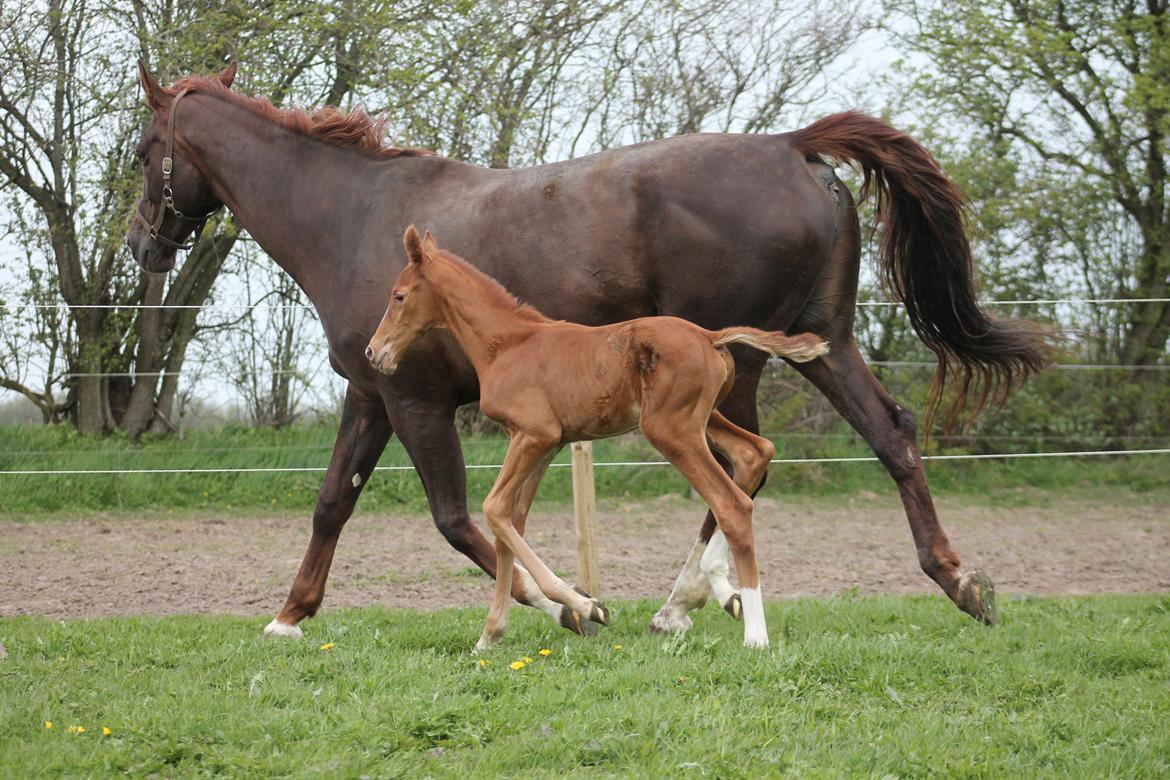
point(886, 687)
point(59, 448)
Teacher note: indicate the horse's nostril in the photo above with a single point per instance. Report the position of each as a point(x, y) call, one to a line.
point(369, 353)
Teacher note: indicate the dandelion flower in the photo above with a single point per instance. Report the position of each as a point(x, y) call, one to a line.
point(517, 665)
point(76, 729)
point(483, 662)
point(526, 659)
point(48, 724)
point(328, 646)
point(617, 647)
point(106, 731)
point(681, 680)
point(545, 652)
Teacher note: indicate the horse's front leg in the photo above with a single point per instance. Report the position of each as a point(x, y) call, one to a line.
point(427, 430)
point(361, 437)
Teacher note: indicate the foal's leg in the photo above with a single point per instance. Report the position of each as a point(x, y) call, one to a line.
point(693, 586)
point(890, 430)
point(525, 453)
point(361, 437)
point(749, 456)
point(497, 622)
point(733, 511)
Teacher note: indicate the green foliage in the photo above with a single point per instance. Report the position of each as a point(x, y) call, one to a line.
point(850, 687)
point(1058, 129)
point(308, 447)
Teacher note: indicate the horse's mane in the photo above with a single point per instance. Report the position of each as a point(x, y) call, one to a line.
point(495, 291)
point(353, 130)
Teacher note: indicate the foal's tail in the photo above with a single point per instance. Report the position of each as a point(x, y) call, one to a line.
point(926, 261)
point(800, 349)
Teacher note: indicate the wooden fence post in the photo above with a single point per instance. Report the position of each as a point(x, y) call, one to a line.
point(585, 513)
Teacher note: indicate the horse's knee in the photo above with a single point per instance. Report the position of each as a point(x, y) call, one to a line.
point(330, 514)
point(457, 529)
point(495, 510)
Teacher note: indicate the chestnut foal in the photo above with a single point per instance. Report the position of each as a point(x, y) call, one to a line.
point(550, 382)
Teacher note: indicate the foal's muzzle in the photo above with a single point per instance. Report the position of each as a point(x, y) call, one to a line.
point(382, 359)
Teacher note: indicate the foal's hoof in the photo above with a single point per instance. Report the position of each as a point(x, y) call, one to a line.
point(977, 597)
point(734, 607)
point(572, 620)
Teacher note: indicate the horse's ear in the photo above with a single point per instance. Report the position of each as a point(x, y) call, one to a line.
point(149, 86)
point(413, 244)
point(228, 74)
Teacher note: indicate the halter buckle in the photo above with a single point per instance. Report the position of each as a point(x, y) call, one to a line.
point(167, 166)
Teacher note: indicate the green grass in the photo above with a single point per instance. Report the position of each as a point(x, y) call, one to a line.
point(885, 687)
point(59, 448)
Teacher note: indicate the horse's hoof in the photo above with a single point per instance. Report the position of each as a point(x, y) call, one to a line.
point(734, 607)
point(666, 622)
point(572, 620)
point(977, 597)
point(283, 630)
point(756, 641)
point(598, 612)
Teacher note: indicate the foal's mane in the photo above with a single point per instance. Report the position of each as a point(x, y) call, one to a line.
point(495, 291)
point(353, 130)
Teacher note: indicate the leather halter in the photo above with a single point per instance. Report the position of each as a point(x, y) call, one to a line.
point(168, 196)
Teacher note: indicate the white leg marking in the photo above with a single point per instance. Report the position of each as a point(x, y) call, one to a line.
point(283, 630)
point(717, 569)
point(535, 597)
point(357, 480)
point(755, 630)
point(690, 592)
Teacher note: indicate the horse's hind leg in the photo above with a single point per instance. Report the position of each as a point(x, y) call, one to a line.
point(890, 430)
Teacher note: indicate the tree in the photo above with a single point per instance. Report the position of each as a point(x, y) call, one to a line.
point(69, 118)
point(1067, 103)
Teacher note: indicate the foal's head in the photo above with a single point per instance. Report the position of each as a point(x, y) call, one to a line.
point(414, 307)
point(176, 197)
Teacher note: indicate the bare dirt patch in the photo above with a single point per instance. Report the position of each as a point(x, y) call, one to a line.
point(123, 566)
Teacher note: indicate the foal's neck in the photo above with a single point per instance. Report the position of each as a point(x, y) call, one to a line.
point(482, 322)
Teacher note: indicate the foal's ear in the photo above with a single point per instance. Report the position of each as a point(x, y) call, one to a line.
point(149, 86)
point(228, 74)
point(429, 245)
point(413, 244)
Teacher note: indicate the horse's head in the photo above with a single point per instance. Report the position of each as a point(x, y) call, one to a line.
point(414, 308)
point(176, 197)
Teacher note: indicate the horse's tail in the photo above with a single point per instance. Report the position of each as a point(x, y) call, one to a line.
point(926, 262)
point(800, 348)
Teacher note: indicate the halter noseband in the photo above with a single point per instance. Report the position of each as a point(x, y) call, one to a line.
point(168, 195)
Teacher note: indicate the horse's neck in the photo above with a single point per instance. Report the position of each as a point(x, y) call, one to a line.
point(298, 198)
point(482, 327)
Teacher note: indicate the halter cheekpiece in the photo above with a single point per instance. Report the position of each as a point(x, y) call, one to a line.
point(168, 195)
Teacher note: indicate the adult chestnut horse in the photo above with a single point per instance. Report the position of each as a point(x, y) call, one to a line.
point(717, 229)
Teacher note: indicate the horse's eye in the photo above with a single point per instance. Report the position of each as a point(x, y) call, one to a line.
point(400, 297)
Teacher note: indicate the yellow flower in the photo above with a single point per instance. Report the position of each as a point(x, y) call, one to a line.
point(328, 646)
point(76, 729)
point(106, 731)
point(617, 647)
point(48, 724)
point(517, 665)
point(483, 662)
point(526, 660)
point(546, 652)
point(681, 680)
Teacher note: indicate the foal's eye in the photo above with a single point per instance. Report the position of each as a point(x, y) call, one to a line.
point(400, 297)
